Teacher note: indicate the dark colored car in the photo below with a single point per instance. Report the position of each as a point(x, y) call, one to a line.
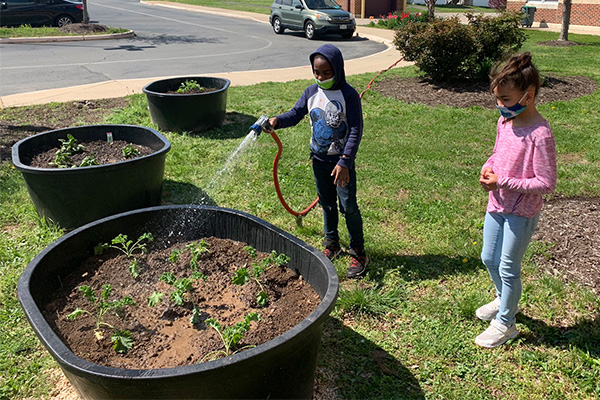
point(40, 12)
point(314, 17)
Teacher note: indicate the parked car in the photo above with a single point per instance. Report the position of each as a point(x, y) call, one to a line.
point(40, 12)
point(314, 17)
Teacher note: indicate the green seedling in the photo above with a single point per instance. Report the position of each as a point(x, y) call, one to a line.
point(175, 255)
point(251, 251)
point(129, 248)
point(231, 335)
point(89, 161)
point(197, 249)
point(244, 275)
point(68, 147)
point(180, 286)
point(190, 86)
point(130, 151)
point(155, 298)
point(122, 340)
point(62, 160)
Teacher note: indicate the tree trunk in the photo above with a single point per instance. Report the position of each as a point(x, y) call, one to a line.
point(566, 20)
point(86, 16)
point(430, 8)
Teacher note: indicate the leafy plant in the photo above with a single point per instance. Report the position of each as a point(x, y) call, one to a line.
point(155, 298)
point(231, 335)
point(130, 151)
point(89, 161)
point(129, 248)
point(446, 50)
point(180, 286)
point(190, 86)
point(122, 340)
point(175, 255)
point(69, 147)
point(197, 249)
point(251, 251)
point(244, 275)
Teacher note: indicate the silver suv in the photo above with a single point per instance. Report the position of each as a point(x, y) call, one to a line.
point(314, 17)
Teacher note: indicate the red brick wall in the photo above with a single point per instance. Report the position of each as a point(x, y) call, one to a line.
point(372, 7)
point(581, 14)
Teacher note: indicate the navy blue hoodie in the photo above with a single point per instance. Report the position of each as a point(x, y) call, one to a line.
point(335, 114)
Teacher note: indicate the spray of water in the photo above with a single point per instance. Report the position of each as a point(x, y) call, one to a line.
point(250, 137)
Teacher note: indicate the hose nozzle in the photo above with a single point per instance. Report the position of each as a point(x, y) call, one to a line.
point(261, 124)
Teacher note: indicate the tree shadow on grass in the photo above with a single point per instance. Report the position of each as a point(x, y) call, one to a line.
point(585, 335)
point(419, 267)
point(358, 369)
point(185, 193)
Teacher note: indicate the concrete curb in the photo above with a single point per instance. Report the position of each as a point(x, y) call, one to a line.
point(75, 38)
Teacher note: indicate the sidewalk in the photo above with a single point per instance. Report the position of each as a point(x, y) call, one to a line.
point(119, 88)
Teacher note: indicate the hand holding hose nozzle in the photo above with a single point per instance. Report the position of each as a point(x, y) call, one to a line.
point(261, 124)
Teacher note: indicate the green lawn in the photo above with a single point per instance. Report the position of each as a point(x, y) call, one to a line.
point(405, 331)
point(28, 31)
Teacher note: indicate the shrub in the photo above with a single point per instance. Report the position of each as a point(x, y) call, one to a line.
point(446, 50)
point(396, 20)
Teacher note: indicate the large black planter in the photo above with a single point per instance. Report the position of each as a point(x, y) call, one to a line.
point(281, 368)
point(195, 112)
point(72, 197)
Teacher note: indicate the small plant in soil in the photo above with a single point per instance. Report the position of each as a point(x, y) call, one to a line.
point(180, 286)
point(244, 275)
point(129, 151)
point(190, 86)
point(89, 161)
point(122, 340)
point(197, 249)
point(69, 146)
point(231, 335)
point(129, 248)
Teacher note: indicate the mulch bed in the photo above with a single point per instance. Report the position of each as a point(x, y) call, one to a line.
point(571, 227)
point(164, 336)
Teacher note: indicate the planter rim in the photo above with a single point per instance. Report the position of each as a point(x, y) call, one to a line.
point(226, 82)
point(16, 159)
point(68, 359)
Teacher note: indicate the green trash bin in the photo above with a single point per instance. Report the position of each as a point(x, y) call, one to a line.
point(528, 15)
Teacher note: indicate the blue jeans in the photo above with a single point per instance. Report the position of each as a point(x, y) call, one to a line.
point(329, 194)
point(505, 239)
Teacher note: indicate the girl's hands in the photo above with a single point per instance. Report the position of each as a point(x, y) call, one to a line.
point(341, 176)
point(488, 180)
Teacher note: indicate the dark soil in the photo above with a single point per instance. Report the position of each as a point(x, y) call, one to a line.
point(84, 29)
point(571, 229)
point(194, 91)
point(469, 94)
point(164, 336)
point(102, 151)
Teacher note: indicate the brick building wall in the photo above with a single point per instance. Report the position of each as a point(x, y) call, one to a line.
point(373, 8)
point(583, 12)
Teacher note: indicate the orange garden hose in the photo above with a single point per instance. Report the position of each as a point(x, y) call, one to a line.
point(302, 213)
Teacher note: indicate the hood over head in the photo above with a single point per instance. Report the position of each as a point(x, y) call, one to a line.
point(334, 56)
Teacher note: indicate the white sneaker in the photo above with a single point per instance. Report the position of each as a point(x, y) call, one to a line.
point(496, 335)
point(488, 312)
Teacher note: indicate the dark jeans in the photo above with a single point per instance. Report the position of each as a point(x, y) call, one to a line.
point(329, 194)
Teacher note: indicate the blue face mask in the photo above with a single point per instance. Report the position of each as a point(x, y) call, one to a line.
point(512, 111)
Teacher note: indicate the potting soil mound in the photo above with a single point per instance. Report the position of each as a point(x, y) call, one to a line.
point(103, 152)
point(164, 335)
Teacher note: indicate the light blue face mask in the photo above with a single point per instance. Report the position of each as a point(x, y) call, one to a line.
point(326, 84)
point(512, 111)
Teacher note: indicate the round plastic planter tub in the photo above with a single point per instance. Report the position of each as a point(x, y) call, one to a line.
point(195, 112)
point(281, 368)
point(72, 197)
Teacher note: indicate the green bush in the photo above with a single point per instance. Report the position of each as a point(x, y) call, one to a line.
point(446, 50)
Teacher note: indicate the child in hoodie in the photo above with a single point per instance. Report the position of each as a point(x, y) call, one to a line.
point(336, 121)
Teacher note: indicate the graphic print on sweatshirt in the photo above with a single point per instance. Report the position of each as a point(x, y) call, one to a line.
point(328, 120)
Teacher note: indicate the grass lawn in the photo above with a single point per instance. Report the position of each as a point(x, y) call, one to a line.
point(28, 31)
point(406, 331)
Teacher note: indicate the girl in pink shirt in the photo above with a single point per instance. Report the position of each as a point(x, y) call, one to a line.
point(521, 169)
